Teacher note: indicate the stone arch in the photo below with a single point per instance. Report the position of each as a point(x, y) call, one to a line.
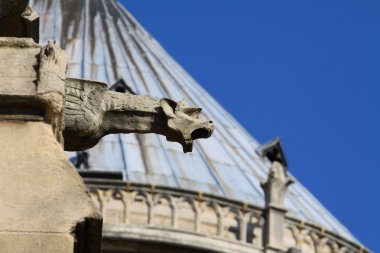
point(163, 210)
point(139, 209)
point(231, 223)
point(307, 245)
point(325, 246)
point(254, 229)
point(334, 246)
point(114, 207)
point(291, 237)
point(186, 214)
point(210, 218)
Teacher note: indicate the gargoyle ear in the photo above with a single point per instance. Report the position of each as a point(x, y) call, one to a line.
point(168, 106)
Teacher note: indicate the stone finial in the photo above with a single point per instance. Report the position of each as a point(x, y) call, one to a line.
point(91, 112)
point(276, 185)
point(274, 190)
point(18, 19)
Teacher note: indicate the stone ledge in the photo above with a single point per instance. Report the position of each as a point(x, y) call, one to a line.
point(41, 192)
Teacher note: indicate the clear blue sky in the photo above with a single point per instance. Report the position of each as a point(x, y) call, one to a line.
point(307, 71)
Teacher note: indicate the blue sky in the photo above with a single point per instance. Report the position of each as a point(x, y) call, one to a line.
point(307, 71)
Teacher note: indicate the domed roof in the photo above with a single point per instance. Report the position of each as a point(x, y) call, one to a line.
point(106, 43)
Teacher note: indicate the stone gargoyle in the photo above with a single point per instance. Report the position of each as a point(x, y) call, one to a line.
point(276, 185)
point(92, 111)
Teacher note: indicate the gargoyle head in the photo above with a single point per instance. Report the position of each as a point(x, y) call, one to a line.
point(184, 124)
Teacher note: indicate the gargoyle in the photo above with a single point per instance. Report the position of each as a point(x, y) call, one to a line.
point(91, 112)
point(276, 185)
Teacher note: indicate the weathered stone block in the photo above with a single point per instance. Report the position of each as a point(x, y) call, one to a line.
point(35, 243)
point(18, 63)
point(44, 202)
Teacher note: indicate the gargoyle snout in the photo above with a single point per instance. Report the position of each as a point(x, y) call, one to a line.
point(196, 131)
point(204, 131)
point(184, 123)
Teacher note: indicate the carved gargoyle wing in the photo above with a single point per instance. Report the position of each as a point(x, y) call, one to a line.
point(83, 103)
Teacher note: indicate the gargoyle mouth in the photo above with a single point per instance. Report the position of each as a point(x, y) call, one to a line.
point(205, 131)
point(201, 133)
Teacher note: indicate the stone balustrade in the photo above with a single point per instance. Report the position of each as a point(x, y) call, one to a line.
point(197, 214)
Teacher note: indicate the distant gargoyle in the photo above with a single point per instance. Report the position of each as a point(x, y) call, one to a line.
point(92, 111)
point(276, 185)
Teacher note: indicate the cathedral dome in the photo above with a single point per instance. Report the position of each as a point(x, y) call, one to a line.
point(105, 43)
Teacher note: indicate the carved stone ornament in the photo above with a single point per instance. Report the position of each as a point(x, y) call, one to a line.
point(276, 185)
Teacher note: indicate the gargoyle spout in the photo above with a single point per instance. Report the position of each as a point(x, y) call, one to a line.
point(91, 112)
